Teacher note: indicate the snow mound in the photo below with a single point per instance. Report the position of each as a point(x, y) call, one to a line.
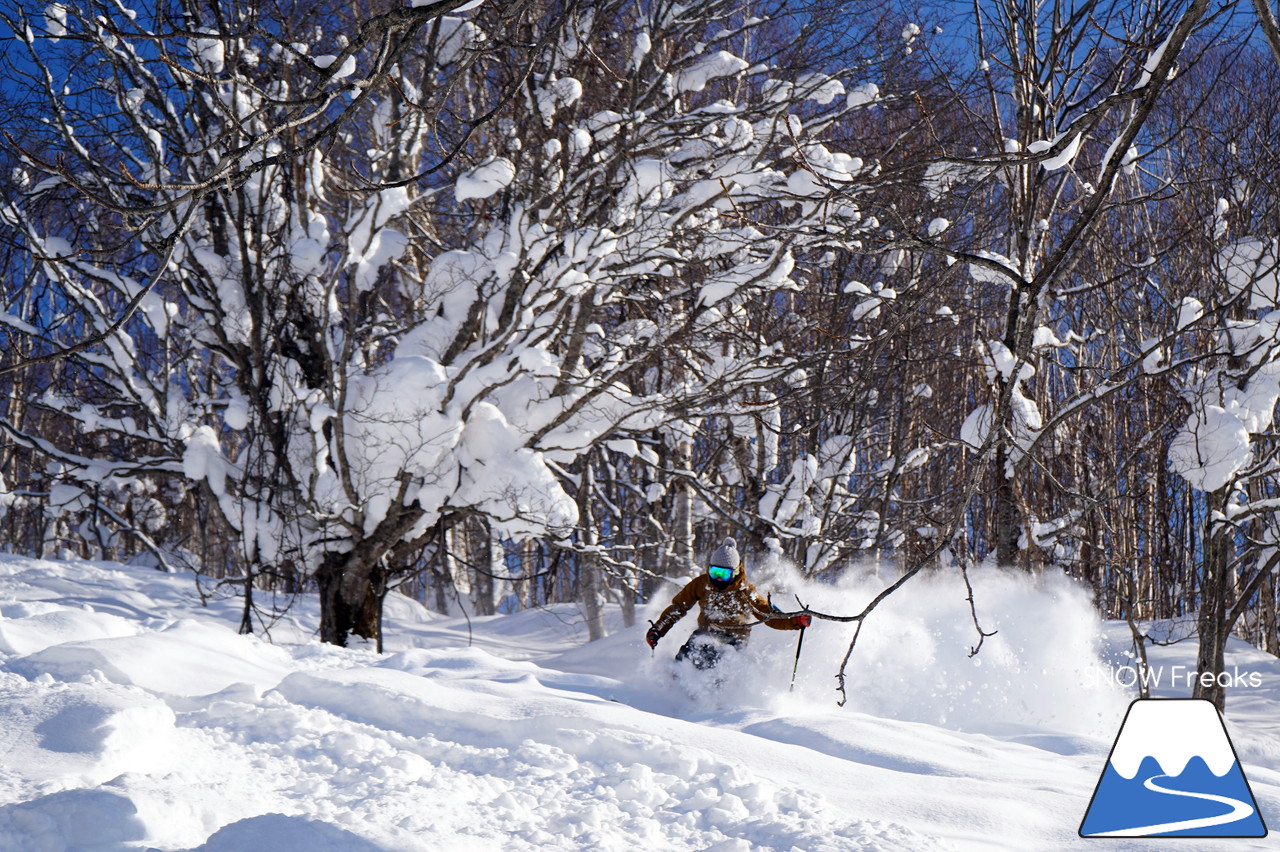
point(79, 733)
point(184, 658)
point(281, 833)
point(72, 821)
point(26, 628)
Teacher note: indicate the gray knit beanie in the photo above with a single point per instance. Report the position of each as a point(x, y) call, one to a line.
point(726, 555)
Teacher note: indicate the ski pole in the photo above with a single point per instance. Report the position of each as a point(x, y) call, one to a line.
point(799, 645)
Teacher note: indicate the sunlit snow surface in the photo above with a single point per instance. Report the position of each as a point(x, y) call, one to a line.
point(133, 718)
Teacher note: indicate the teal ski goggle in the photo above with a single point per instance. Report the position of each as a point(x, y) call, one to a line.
point(720, 574)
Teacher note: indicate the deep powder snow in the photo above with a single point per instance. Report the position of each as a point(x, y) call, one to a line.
point(131, 717)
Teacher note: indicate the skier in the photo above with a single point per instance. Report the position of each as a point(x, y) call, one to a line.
point(728, 607)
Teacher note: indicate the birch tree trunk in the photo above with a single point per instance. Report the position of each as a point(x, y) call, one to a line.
point(590, 585)
point(681, 560)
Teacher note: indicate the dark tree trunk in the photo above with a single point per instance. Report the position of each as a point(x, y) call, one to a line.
point(352, 585)
point(1007, 527)
point(351, 596)
point(341, 598)
point(246, 612)
point(1214, 626)
point(369, 616)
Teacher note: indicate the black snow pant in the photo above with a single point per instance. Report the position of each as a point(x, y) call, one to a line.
point(704, 647)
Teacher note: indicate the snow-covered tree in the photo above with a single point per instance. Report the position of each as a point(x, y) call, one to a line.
point(651, 212)
point(1222, 443)
point(344, 370)
point(1020, 189)
point(234, 285)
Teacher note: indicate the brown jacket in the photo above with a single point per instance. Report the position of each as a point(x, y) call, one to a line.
point(732, 609)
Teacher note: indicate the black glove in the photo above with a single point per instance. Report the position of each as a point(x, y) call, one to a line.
point(652, 637)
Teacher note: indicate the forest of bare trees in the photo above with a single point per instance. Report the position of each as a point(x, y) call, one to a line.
point(506, 304)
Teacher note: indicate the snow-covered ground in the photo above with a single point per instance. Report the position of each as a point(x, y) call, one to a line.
point(131, 717)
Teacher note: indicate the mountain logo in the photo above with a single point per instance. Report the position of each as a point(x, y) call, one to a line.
point(1173, 773)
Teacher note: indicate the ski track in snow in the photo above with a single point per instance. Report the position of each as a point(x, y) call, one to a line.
point(132, 718)
point(1239, 810)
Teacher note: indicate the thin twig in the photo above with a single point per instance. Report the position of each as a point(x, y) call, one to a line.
point(973, 611)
